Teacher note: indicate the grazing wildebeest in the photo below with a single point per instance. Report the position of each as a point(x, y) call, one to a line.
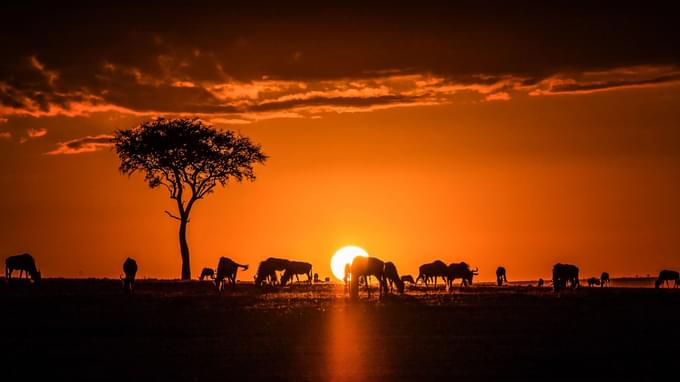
point(295, 268)
point(434, 269)
point(130, 270)
point(366, 267)
point(207, 273)
point(563, 274)
point(665, 276)
point(22, 263)
point(604, 279)
point(392, 276)
point(460, 271)
point(227, 268)
point(501, 276)
point(593, 281)
point(267, 269)
point(407, 279)
point(540, 283)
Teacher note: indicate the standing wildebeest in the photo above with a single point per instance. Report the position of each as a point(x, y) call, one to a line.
point(267, 269)
point(604, 279)
point(501, 276)
point(22, 263)
point(295, 268)
point(390, 273)
point(227, 268)
point(593, 281)
point(366, 267)
point(207, 273)
point(460, 271)
point(407, 279)
point(130, 270)
point(563, 274)
point(434, 269)
point(665, 276)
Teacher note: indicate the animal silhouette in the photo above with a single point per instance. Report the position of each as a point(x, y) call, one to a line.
point(593, 281)
point(460, 271)
point(604, 279)
point(407, 279)
point(540, 283)
point(434, 269)
point(366, 267)
point(564, 274)
point(346, 278)
point(207, 273)
point(665, 276)
point(295, 268)
point(266, 271)
point(392, 276)
point(501, 276)
point(130, 270)
point(227, 269)
point(22, 263)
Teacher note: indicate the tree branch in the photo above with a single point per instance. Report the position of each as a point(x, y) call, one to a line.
point(171, 215)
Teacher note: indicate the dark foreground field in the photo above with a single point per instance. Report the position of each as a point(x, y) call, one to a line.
point(86, 329)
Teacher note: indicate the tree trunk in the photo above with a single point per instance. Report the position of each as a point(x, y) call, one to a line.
point(184, 249)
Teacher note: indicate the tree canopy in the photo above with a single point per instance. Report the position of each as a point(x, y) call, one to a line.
point(189, 158)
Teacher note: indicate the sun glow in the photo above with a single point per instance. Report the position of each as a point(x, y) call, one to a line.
point(344, 256)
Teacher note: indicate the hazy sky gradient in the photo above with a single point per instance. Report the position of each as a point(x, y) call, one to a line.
point(544, 134)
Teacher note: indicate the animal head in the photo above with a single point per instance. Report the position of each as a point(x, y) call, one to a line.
point(657, 283)
point(472, 274)
point(400, 285)
point(36, 276)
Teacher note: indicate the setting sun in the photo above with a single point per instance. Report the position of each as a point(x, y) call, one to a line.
point(344, 256)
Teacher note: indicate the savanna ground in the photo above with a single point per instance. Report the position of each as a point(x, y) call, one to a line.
point(88, 330)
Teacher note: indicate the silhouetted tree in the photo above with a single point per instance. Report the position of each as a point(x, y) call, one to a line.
point(189, 158)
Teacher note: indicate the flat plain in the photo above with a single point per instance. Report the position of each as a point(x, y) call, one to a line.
point(87, 329)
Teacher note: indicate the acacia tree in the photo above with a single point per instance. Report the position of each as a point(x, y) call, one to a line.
point(189, 158)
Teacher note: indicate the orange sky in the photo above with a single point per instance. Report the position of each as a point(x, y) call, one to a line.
point(491, 183)
point(535, 136)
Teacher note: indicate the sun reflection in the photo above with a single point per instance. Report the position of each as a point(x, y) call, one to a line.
point(346, 349)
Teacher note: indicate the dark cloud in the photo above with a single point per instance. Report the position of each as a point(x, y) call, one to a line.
point(83, 145)
point(70, 58)
point(334, 102)
point(587, 87)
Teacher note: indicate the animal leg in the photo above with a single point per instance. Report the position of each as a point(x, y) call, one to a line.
point(368, 285)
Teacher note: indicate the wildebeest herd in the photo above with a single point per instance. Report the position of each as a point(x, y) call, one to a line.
point(358, 273)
